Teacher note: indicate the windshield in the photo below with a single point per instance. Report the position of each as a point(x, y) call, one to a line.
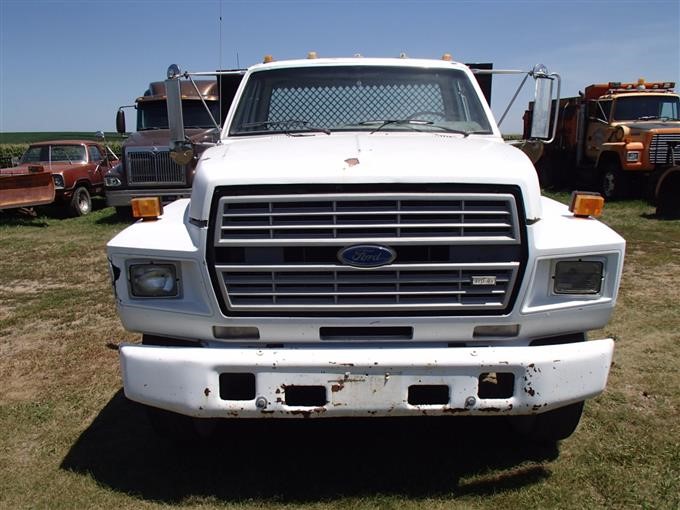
point(351, 98)
point(54, 153)
point(154, 114)
point(646, 108)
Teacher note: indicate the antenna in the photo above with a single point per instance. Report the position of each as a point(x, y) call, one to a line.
point(220, 35)
point(219, 78)
point(238, 64)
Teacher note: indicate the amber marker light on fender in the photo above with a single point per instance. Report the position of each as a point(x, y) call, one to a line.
point(147, 208)
point(585, 203)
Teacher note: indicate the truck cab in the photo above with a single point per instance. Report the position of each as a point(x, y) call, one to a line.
point(146, 167)
point(618, 136)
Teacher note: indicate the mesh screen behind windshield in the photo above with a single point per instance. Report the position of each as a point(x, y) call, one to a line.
point(328, 106)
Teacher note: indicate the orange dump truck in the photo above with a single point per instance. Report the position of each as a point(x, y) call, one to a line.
point(615, 134)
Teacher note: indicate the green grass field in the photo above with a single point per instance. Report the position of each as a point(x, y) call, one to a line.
point(69, 438)
point(31, 137)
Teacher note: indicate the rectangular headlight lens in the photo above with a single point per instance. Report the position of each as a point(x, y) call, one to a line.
point(154, 280)
point(578, 277)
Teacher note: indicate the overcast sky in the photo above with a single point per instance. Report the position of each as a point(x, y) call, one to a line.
point(66, 65)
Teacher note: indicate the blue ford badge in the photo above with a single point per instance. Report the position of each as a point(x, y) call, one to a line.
point(366, 255)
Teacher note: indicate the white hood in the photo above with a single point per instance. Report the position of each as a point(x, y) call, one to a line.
point(349, 158)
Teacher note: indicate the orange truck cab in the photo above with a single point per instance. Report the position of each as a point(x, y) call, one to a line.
point(616, 133)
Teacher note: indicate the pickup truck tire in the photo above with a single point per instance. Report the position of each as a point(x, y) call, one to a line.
point(551, 426)
point(81, 202)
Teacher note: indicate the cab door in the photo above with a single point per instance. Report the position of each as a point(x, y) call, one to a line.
point(599, 130)
point(97, 166)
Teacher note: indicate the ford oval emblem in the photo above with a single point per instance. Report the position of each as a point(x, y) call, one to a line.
point(367, 255)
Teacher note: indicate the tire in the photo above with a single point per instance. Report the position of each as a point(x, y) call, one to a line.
point(551, 426)
point(81, 202)
point(172, 426)
point(179, 428)
point(668, 195)
point(124, 212)
point(614, 183)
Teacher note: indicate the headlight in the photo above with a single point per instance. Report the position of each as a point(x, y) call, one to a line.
point(58, 181)
point(154, 280)
point(632, 156)
point(578, 277)
point(112, 181)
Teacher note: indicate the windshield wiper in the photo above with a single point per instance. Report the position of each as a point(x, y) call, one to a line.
point(271, 123)
point(412, 123)
point(652, 117)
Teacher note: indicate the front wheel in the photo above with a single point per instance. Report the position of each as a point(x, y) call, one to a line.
point(614, 183)
point(81, 202)
point(551, 426)
point(124, 212)
point(178, 427)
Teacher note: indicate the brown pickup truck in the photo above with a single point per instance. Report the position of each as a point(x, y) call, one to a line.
point(77, 168)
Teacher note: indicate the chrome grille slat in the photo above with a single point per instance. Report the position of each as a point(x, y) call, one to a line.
point(659, 152)
point(362, 292)
point(150, 166)
point(364, 213)
point(348, 226)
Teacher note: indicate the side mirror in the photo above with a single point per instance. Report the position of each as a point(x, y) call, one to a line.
point(120, 121)
point(540, 121)
point(174, 105)
point(180, 149)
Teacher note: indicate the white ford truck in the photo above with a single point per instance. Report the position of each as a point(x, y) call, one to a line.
point(361, 242)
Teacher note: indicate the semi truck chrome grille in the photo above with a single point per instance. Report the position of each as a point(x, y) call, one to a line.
point(382, 218)
point(150, 166)
point(454, 253)
point(660, 148)
point(404, 287)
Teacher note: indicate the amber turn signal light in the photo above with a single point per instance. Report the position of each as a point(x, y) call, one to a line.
point(147, 208)
point(585, 203)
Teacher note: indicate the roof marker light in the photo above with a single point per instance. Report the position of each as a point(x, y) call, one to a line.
point(267, 59)
point(311, 55)
point(447, 57)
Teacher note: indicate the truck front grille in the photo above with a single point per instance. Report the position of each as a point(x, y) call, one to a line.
point(660, 148)
point(456, 252)
point(151, 167)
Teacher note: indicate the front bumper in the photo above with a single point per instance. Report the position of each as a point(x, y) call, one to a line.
point(364, 381)
point(117, 198)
